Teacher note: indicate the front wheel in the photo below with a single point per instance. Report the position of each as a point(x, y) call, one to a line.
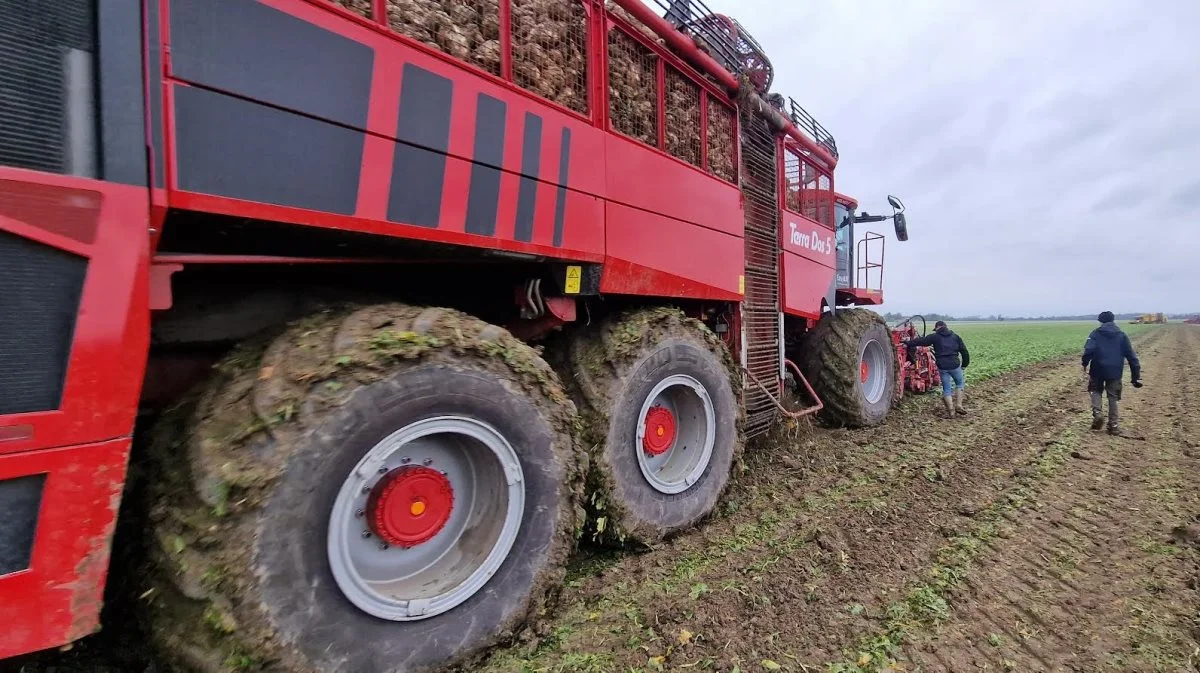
point(388, 489)
point(851, 363)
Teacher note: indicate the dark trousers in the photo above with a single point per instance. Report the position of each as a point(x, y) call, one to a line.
point(1111, 387)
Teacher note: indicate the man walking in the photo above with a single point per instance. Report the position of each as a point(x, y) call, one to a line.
point(947, 346)
point(1106, 350)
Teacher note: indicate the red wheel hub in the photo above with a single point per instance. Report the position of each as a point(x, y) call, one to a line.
point(864, 371)
point(660, 431)
point(410, 505)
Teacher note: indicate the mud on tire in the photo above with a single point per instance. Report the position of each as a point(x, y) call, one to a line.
point(833, 361)
point(239, 576)
point(639, 360)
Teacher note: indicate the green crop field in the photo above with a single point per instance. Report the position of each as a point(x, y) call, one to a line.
point(1000, 347)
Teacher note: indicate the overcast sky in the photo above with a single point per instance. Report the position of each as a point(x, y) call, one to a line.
point(1048, 151)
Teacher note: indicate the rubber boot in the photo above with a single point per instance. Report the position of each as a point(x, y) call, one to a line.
point(949, 402)
point(958, 402)
point(1097, 416)
point(1114, 417)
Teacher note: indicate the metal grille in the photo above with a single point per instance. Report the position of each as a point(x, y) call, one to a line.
point(632, 87)
point(550, 50)
point(809, 124)
point(40, 289)
point(47, 85)
point(793, 169)
point(359, 7)
point(722, 151)
point(683, 117)
point(760, 307)
point(807, 190)
point(468, 30)
point(722, 37)
point(824, 200)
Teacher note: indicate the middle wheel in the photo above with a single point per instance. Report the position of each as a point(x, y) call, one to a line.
point(662, 418)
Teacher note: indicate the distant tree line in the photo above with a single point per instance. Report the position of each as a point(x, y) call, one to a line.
point(893, 317)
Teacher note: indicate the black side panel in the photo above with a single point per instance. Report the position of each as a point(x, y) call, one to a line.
point(40, 289)
point(154, 66)
point(483, 199)
point(252, 50)
point(531, 164)
point(560, 196)
point(419, 164)
point(121, 97)
point(20, 502)
point(227, 146)
point(45, 51)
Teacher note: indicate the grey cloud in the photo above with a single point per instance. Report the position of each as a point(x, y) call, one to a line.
point(1034, 143)
point(1133, 194)
point(1187, 197)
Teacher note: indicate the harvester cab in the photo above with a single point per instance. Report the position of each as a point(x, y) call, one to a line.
point(860, 267)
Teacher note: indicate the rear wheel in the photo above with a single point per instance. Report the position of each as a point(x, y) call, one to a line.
point(387, 489)
point(852, 366)
point(659, 409)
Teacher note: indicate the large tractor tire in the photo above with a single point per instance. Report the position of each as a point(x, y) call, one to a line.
point(850, 361)
point(382, 489)
point(656, 393)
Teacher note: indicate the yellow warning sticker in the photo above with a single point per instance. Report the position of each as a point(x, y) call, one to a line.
point(741, 285)
point(574, 279)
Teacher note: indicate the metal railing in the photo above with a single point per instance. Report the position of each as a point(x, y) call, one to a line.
point(722, 37)
point(807, 123)
point(868, 270)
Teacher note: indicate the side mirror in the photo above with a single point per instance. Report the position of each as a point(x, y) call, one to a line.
point(901, 226)
point(897, 205)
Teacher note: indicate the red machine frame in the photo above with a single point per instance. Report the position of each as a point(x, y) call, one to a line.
point(658, 225)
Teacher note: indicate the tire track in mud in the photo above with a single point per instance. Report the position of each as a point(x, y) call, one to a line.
point(817, 539)
point(1090, 575)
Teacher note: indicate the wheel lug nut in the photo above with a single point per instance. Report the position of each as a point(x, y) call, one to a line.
point(428, 461)
point(366, 534)
point(383, 470)
point(406, 460)
point(383, 546)
point(359, 513)
point(366, 489)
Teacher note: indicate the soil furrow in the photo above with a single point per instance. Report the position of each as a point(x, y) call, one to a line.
point(1100, 572)
point(812, 553)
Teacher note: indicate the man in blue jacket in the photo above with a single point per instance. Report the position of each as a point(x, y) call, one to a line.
point(947, 346)
point(1106, 350)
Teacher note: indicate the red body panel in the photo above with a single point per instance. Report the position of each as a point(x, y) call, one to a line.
point(808, 264)
point(660, 184)
point(107, 224)
point(858, 296)
point(649, 254)
point(58, 598)
point(603, 166)
point(803, 285)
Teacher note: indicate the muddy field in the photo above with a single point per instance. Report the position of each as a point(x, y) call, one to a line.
point(1015, 539)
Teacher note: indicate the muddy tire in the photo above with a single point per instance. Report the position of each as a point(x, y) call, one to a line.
point(648, 481)
point(850, 361)
point(287, 522)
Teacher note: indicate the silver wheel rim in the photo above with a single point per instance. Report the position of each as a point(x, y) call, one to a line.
point(681, 465)
point(417, 582)
point(876, 362)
